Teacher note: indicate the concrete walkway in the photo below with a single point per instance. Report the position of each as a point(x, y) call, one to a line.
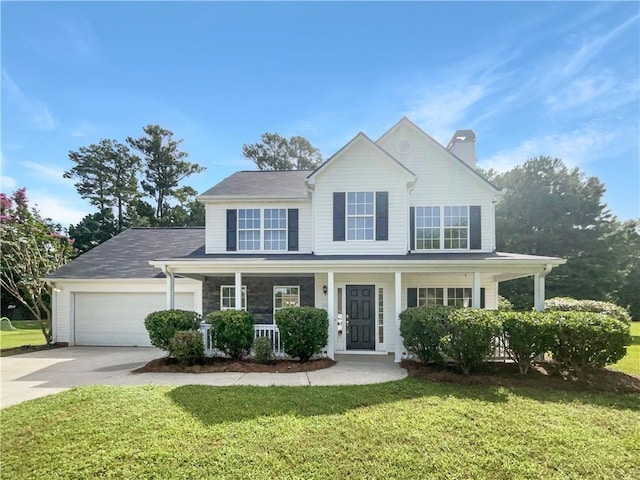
point(33, 375)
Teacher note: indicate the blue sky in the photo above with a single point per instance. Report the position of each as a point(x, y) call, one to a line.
point(543, 78)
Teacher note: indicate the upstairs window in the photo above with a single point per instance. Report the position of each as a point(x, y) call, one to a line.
point(427, 228)
point(445, 228)
point(360, 215)
point(275, 229)
point(456, 227)
point(249, 229)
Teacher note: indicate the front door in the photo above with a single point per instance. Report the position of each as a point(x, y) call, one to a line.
point(361, 317)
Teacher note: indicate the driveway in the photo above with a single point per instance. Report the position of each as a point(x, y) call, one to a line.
point(33, 375)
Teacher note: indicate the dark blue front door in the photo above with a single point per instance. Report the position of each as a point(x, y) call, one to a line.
point(361, 317)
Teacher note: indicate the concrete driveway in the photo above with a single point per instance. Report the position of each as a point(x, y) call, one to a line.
point(33, 375)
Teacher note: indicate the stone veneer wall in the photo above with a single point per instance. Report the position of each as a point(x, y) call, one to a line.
point(259, 293)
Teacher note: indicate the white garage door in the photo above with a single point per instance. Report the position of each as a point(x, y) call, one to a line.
point(117, 319)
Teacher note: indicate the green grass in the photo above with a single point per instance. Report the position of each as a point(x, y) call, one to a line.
point(408, 429)
point(27, 333)
point(631, 362)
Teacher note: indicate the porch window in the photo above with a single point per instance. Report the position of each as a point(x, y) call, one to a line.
point(427, 228)
point(429, 297)
point(380, 315)
point(249, 229)
point(456, 227)
point(459, 297)
point(275, 229)
point(360, 214)
point(228, 297)
point(285, 297)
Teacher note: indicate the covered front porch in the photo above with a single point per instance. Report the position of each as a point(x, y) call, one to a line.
point(363, 296)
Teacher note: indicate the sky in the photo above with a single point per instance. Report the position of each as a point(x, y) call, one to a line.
point(544, 78)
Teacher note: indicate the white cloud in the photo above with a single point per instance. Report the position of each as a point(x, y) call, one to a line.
point(57, 208)
point(7, 183)
point(51, 174)
point(30, 109)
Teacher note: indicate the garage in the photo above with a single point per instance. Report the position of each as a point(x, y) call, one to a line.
point(117, 318)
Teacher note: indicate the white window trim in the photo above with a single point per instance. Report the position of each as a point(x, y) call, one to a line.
point(262, 229)
point(274, 297)
point(346, 216)
point(442, 227)
point(244, 297)
point(445, 294)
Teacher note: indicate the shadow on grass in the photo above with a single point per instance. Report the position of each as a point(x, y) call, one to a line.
point(213, 405)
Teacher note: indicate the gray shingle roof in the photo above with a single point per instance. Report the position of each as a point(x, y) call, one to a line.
point(127, 255)
point(278, 183)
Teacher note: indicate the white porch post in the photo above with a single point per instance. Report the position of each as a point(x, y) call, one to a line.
point(538, 292)
point(398, 309)
point(171, 290)
point(238, 288)
point(331, 345)
point(476, 290)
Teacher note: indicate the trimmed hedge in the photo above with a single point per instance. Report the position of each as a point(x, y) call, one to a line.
point(526, 336)
point(233, 332)
point(187, 347)
point(422, 329)
point(263, 350)
point(303, 330)
point(588, 340)
point(567, 304)
point(470, 339)
point(164, 324)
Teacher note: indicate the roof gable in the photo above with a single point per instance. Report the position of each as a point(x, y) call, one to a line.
point(360, 138)
point(406, 123)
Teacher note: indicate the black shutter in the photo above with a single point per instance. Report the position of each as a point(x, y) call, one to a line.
point(412, 297)
point(475, 230)
point(412, 228)
point(232, 216)
point(292, 229)
point(338, 217)
point(482, 292)
point(382, 215)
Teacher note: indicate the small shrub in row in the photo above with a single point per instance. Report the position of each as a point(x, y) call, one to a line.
point(187, 347)
point(164, 324)
point(303, 330)
point(263, 350)
point(233, 332)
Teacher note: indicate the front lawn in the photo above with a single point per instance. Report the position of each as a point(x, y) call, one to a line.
point(631, 362)
point(408, 429)
point(26, 333)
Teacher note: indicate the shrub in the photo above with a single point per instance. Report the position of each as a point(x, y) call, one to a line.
point(164, 324)
point(567, 304)
point(263, 350)
point(588, 340)
point(504, 304)
point(527, 335)
point(470, 339)
point(232, 332)
point(422, 329)
point(304, 331)
point(187, 347)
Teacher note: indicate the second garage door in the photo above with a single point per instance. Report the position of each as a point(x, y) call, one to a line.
point(117, 319)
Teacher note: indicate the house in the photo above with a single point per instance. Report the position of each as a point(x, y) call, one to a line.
point(380, 226)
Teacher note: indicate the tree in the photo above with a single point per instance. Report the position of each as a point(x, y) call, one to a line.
point(278, 153)
point(164, 167)
point(106, 174)
point(93, 230)
point(628, 245)
point(548, 209)
point(32, 247)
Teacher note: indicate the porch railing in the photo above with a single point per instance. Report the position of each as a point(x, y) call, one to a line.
point(499, 352)
point(259, 330)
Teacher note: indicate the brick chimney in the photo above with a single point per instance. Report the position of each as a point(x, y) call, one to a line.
point(463, 146)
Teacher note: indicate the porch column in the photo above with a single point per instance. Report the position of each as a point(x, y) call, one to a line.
point(398, 309)
point(538, 292)
point(238, 287)
point(171, 290)
point(476, 290)
point(331, 344)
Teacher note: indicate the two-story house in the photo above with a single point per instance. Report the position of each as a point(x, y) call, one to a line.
point(378, 227)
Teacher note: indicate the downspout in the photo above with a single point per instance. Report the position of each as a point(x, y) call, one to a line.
point(539, 287)
point(171, 301)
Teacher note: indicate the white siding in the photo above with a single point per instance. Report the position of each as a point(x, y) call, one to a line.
point(361, 167)
point(441, 179)
point(63, 315)
point(216, 222)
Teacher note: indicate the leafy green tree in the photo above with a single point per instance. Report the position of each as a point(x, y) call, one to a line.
point(106, 176)
point(277, 153)
point(164, 168)
point(548, 209)
point(92, 230)
point(32, 247)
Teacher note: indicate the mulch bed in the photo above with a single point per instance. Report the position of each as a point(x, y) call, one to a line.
point(5, 352)
point(218, 364)
point(541, 376)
